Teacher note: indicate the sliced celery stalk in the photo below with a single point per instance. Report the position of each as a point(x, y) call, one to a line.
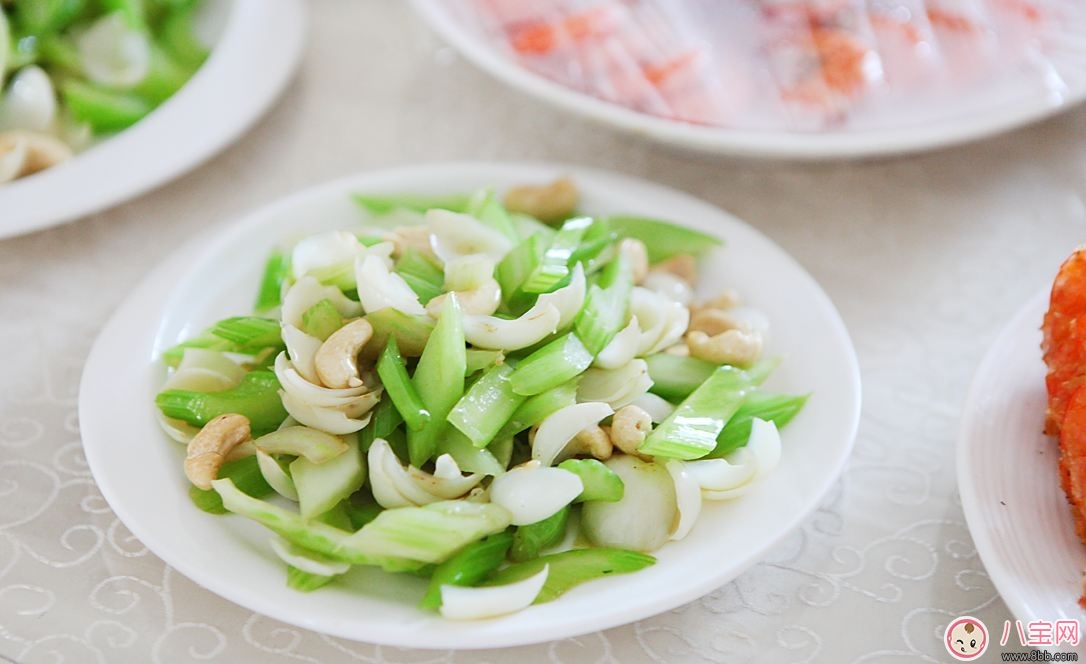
point(421, 274)
point(403, 393)
point(378, 204)
point(361, 509)
point(486, 406)
point(600, 482)
point(276, 269)
point(664, 239)
point(530, 540)
point(411, 332)
point(469, 458)
point(172, 356)
point(516, 267)
point(384, 419)
point(572, 568)
point(553, 265)
point(690, 431)
point(245, 473)
point(321, 486)
point(480, 360)
point(536, 408)
point(598, 236)
point(104, 110)
point(439, 379)
point(559, 361)
point(776, 408)
point(486, 207)
point(321, 320)
point(249, 334)
point(674, 377)
point(165, 76)
point(606, 305)
point(42, 17)
point(468, 567)
point(314, 444)
point(306, 581)
point(177, 35)
point(256, 397)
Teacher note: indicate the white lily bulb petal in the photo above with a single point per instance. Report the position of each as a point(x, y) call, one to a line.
point(308, 291)
point(324, 252)
point(387, 475)
point(307, 561)
point(722, 474)
point(492, 333)
point(445, 468)
point(764, 444)
point(329, 420)
point(670, 286)
point(655, 405)
point(622, 348)
point(275, 476)
point(677, 321)
point(113, 53)
point(211, 360)
point(561, 426)
point(291, 380)
point(30, 101)
point(663, 321)
point(302, 349)
point(444, 488)
point(687, 499)
point(362, 404)
point(380, 288)
point(643, 518)
point(467, 603)
point(483, 300)
point(568, 299)
point(532, 492)
point(454, 235)
point(468, 272)
point(616, 387)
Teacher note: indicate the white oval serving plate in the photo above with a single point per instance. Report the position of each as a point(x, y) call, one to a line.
point(257, 48)
point(139, 470)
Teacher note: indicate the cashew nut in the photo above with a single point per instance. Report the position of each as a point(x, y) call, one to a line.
point(25, 152)
point(336, 361)
point(415, 237)
point(593, 441)
point(679, 350)
point(635, 251)
point(714, 321)
point(683, 266)
point(629, 427)
point(483, 300)
point(736, 347)
point(725, 300)
point(208, 450)
point(549, 203)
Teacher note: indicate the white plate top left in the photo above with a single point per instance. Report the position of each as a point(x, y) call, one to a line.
point(252, 58)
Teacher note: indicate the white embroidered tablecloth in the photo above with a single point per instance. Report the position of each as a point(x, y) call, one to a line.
point(926, 258)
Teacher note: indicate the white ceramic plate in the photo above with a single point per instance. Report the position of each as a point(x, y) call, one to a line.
point(1009, 480)
point(975, 114)
point(256, 47)
point(139, 470)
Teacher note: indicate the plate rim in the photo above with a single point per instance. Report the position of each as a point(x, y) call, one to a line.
point(737, 142)
point(262, 28)
point(850, 384)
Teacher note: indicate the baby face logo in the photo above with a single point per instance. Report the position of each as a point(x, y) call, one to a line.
point(966, 638)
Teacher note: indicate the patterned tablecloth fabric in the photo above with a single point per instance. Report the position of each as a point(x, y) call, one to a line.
point(926, 257)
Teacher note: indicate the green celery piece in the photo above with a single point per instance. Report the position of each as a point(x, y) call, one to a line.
point(321, 486)
point(321, 320)
point(439, 379)
point(469, 458)
point(598, 236)
point(42, 17)
point(530, 540)
point(256, 397)
point(559, 361)
point(314, 444)
point(690, 431)
point(165, 76)
point(762, 369)
point(502, 449)
point(428, 534)
point(411, 332)
point(384, 419)
point(515, 268)
point(399, 388)
point(177, 35)
point(104, 110)
point(468, 567)
point(249, 334)
point(572, 568)
point(554, 264)
point(133, 11)
point(60, 55)
point(206, 340)
point(486, 406)
point(480, 360)
point(600, 482)
point(776, 408)
point(5, 47)
point(664, 239)
point(536, 408)
point(379, 204)
point(245, 473)
point(606, 305)
point(675, 377)
point(337, 517)
point(276, 270)
point(361, 509)
point(306, 581)
point(421, 274)
point(486, 207)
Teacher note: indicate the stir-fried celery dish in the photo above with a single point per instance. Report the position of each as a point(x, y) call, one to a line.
point(72, 71)
point(496, 393)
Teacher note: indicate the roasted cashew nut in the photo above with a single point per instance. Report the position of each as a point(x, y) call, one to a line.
point(683, 266)
point(629, 427)
point(208, 450)
point(549, 203)
point(592, 441)
point(724, 300)
point(638, 256)
point(739, 348)
point(336, 361)
point(412, 237)
point(25, 152)
point(714, 321)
